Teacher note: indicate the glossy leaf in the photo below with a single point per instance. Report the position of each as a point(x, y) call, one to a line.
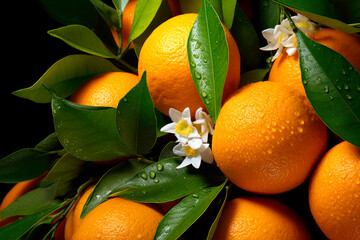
point(31, 202)
point(50, 143)
point(111, 181)
point(65, 76)
point(88, 133)
point(325, 12)
point(247, 41)
point(63, 172)
point(108, 13)
point(332, 86)
point(228, 9)
point(185, 213)
point(136, 119)
point(144, 13)
point(18, 228)
point(162, 14)
point(163, 182)
point(83, 39)
point(266, 14)
point(25, 164)
point(253, 76)
point(208, 58)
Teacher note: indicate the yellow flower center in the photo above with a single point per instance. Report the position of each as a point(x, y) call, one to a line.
point(305, 25)
point(198, 128)
point(183, 128)
point(189, 151)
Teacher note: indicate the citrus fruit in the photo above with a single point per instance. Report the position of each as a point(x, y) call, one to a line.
point(267, 138)
point(164, 58)
point(127, 20)
point(73, 219)
point(118, 218)
point(334, 192)
point(286, 69)
point(15, 192)
point(259, 218)
point(105, 90)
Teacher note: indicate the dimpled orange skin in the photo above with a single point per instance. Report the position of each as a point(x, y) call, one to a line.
point(334, 193)
point(267, 138)
point(260, 218)
point(286, 69)
point(118, 218)
point(105, 90)
point(73, 219)
point(164, 58)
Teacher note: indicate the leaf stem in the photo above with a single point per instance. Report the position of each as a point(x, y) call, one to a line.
point(127, 66)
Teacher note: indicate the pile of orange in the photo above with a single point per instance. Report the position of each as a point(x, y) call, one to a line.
point(267, 141)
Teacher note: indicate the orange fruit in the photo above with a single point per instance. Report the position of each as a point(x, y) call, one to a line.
point(334, 192)
point(105, 90)
point(286, 69)
point(15, 192)
point(127, 20)
point(267, 138)
point(73, 219)
point(164, 58)
point(260, 218)
point(118, 218)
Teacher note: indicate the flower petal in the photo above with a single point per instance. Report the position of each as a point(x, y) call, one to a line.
point(196, 161)
point(186, 114)
point(187, 161)
point(207, 156)
point(195, 143)
point(179, 150)
point(175, 115)
point(169, 128)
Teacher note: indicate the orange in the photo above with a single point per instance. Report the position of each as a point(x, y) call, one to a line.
point(105, 90)
point(15, 192)
point(267, 138)
point(127, 20)
point(73, 219)
point(164, 58)
point(334, 192)
point(118, 218)
point(260, 218)
point(286, 69)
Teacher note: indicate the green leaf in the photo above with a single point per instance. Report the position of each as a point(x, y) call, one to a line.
point(65, 76)
point(83, 39)
point(163, 182)
point(18, 228)
point(31, 202)
point(215, 223)
point(69, 12)
point(324, 12)
point(247, 41)
point(88, 133)
point(63, 172)
point(25, 164)
point(185, 213)
point(161, 120)
point(332, 86)
point(208, 58)
point(50, 143)
point(108, 13)
point(111, 181)
point(253, 76)
point(266, 14)
point(136, 119)
point(144, 13)
point(167, 151)
point(228, 9)
point(163, 13)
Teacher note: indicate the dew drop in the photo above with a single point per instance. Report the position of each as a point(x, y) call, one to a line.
point(156, 180)
point(205, 60)
point(197, 75)
point(195, 195)
point(350, 68)
point(207, 101)
point(343, 176)
point(358, 88)
point(346, 87)
point(301, 122)
point(300, 129)
point(348, 97)
point(318, 78)
point(204, 94)
point(197, 45)
point(273, 129)
point(195, 56)
point(331, 97)
point(326, 88)
point(304, 82)
point(305, 69)
point(152, 174)
point(144, 176)
point(343, 72)
point(339, 87)
point(269, 151)
point(193, 64)
point(206, 190)
point(125, 99)
point(159, 167)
